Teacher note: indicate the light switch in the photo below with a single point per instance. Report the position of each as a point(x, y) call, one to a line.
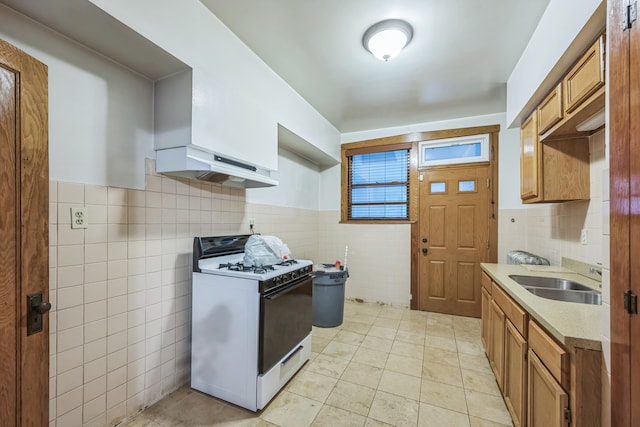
point(583, 237)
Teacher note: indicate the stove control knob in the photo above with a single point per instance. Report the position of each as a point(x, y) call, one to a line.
point(294, 274)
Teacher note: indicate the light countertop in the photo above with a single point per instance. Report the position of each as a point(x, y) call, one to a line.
point(572, 324)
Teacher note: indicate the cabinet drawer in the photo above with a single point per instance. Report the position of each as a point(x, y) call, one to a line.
point(511, 310)
point(486, 282)
point(550, 110)
point(554, 357)
point(585, 77)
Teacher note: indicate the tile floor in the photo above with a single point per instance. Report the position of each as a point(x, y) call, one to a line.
point(383, 366)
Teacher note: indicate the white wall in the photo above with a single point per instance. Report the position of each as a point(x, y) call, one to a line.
point(563, 33)
point(238, 100)
point(100, 126)
point(298, 184)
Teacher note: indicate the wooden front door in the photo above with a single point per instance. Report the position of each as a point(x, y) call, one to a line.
point(24, 231)
point(453, 238)
point(624, 140)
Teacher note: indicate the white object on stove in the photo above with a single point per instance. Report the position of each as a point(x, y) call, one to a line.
point(265, 250)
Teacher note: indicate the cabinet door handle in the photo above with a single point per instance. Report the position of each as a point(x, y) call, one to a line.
point(425, 250)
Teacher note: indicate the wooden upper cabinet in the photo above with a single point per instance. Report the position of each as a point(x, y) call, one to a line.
point(550, 110)
point(586, 77)
point(529, 159)
point(577, 97)
point(554, 171)
point(553, 167)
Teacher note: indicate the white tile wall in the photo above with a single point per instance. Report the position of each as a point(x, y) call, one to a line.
point(120, 322)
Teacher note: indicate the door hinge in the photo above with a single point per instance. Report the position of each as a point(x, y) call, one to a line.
point(630, 302)
point(567, 415)
point(632, 15)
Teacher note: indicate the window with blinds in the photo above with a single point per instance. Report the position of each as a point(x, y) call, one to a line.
point(378, 182)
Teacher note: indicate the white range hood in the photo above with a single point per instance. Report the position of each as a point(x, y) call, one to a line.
point(194, 162)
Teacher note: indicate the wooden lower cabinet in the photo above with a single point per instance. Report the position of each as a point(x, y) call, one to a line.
point(548, 403)
point(486, 306)
point(496, 343)
point(543, 383)
point(515, 374)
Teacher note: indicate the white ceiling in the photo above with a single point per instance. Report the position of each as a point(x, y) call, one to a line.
point(457, 64)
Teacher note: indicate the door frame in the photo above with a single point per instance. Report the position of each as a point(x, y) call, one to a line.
point(622, 124)
point(493, 131)
point(31, 245)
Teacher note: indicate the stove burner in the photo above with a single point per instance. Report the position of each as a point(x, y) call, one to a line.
point(258, 269)
point(233, 267)
point(261, 269)
point(288, 262)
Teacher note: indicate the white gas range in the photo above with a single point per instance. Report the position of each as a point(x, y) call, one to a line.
point(251, 326)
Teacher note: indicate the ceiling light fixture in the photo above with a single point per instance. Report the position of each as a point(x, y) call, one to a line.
point(387, 38)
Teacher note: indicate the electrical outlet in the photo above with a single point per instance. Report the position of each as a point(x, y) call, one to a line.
point(584, 239)
point(79, 218)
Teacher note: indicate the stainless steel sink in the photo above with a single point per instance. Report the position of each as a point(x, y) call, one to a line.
point(559, 289)
point(549, 282)
point(582, 297)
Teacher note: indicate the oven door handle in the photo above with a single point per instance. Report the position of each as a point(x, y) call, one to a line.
point(293, 353)
point(278, 292)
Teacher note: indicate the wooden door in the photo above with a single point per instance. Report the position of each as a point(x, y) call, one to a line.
point(515, 374)
point(496, 346)
point(624, 139)
point(454, 238)
point(547, 400)
point(24, 231)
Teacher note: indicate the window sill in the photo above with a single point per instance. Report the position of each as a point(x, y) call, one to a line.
point(376, 221)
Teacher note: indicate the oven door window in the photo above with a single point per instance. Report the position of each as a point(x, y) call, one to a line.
point(285, 320)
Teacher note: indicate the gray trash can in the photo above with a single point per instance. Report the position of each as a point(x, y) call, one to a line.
point(328, 295)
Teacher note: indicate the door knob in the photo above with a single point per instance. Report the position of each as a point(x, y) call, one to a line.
point(35, 309)
point(425, 250)
point(41, 308)
point(424, 240)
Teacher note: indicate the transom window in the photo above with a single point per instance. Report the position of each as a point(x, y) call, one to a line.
point(449, 151)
